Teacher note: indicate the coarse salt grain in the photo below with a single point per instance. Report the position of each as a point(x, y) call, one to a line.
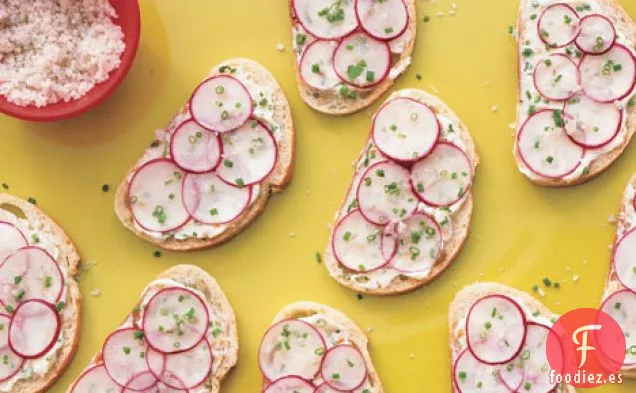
point(56, 50)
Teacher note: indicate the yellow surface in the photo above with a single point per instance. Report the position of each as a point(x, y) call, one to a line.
point(520, 233)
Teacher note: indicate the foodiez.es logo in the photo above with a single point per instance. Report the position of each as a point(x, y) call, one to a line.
point(586, 349)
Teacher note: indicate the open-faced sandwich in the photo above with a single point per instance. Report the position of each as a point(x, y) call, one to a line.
point(498, 339)
point(407, 212)
point(181, 337)
point(40, 299)
point(619, 300)
point(311, 348)
point(210, 172)
point(577, 105)
point(350, 52)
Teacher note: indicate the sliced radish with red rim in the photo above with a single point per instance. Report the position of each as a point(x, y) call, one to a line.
point(221, 103)
point(34, 329)
point(382, 19)
point(11, 239)
point(620, 306)
point(495, 329)
point(534, 361)
point(291, 348)
point(249, 154)
point(419, 241)
point(597, 35)
point(327, 19)
point(360, 245)
point(610, 76)
point(210, 200)
point(384, 194)
point(95, 380)
point(124, 354)
point(361, 60)
point(344, 368)
point(316, 65)
point(557, 77)
point(472, 376)
point(155, 196)
point(624, 259)
point(591, 123)
point(191, 368)
point(11, 362)
point(175, 320)
point(405, 129)
point(545, 147)
point(558, 25)
point(290, 384)
point(194, 148)
point(443, 177)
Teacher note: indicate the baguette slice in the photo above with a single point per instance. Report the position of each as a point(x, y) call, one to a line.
point(69, 258)
point(623, 22)
point(349, 330)
point(332, 102)
point(460, 219)
point(276, 181)
point(463, 301)
point(195, 278)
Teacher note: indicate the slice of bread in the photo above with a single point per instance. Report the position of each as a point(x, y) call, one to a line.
point(197, 279)
point(469, 295)
point(460, 220)
point(331, 102)
point(613, 10)
point(70, 315)
point(350, 330)
point(276, 182)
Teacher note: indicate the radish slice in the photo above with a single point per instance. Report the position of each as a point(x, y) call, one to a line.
point(124, 358)
point(95, 380)
point(210, 200)
point(316, 65)
point(590, 123)
point(361, 60)
point(155, 196)
point(291, 348)
point(625, 260)
point(545, 147)
point(620, 306)
point(11, 362)
point(443, 177)
point(495, 329)
point(384, 194)
point(597, 34)
point(382, 19)
point(30, 273)
point(221, 103)
point(327, 19)
point(190, 368)
point(420, 244)
point(405, 129)
point(291, 384)
point(610, 76)
point(249, 154)
point(472, 376)
point(534, 361)
point(158, 387)
point(194, 148)
point(175, 320)
point(11, 239)
point(344, 368)
point(360, 245)
point(558, 25)
point(34, 328)
point(557, 77)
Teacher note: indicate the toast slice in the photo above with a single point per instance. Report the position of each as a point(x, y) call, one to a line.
point(596, 157)
point(42, 231)
point(267, 95)
point(464, 300)
point(221, 331)
point(454, 220)
point(333, 101)
point(336, 329)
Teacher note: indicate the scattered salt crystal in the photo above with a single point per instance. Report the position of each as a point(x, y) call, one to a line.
point(451, 12)
point(495, 108)
point(575, 278)
point(440, 14)
point(370, 329)
point(280, 47)
point(292, 234)
point(96, 292)
point(411, 356)
point(540, 292)
point(454, 6)
point(611, 219)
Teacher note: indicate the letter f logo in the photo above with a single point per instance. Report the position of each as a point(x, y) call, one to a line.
point(583, 343)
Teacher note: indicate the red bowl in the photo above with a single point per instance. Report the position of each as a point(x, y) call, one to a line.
point(129, 20)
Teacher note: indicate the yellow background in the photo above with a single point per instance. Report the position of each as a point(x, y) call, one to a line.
point(520, 234)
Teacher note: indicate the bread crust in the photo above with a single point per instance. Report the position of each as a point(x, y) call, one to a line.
point(71, 324)
point(330, 102)
point(601, 163)
point(460, 220)
point(276, 182)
